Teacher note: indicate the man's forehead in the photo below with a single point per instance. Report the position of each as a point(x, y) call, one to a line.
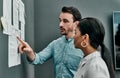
point(65, 15)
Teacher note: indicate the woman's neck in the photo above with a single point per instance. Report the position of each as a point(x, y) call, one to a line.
point(88, 50)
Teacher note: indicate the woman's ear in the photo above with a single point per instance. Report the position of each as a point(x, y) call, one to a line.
point(86, 37)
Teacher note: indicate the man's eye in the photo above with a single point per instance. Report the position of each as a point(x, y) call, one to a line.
point(65, 21)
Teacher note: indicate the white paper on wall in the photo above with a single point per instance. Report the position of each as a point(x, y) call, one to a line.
point(7, 15)
point(21, 18)
point(14, 56)
point(14, 25)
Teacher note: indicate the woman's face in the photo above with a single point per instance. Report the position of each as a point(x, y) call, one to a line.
point(77, 39)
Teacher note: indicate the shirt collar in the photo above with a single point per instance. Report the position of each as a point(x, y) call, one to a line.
point(68, 40)
point(90, 56)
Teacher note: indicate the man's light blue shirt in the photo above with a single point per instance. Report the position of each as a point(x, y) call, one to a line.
point(66, 57)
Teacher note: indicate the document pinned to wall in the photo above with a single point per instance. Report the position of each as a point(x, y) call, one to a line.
point(6, 16)
point(21, 15)
point(13, 55)
point(13, 22)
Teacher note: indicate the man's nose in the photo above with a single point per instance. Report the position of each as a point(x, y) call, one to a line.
point(61, 24)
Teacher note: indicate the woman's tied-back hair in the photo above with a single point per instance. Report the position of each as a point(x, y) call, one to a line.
point(94, 28)
point(74, 11)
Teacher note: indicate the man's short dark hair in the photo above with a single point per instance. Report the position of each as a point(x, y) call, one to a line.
point(74, 11)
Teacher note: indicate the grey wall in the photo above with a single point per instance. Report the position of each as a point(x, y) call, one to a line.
point(23, 70)
point(29, 35)
point(47, 24)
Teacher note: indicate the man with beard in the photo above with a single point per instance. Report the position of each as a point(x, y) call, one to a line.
point(65, 56)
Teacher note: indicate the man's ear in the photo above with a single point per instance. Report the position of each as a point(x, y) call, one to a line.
point(76, 22)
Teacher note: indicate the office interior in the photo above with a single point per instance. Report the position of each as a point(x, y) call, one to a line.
point(42, 26)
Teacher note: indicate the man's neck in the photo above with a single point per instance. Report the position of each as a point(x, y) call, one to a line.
point(70, 35)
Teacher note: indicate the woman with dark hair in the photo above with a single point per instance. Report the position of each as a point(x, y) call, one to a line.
point(89, 36)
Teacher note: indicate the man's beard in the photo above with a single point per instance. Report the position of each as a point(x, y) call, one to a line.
point(63, 33)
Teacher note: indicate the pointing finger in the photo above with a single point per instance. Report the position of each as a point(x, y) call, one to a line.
point(21, 41)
